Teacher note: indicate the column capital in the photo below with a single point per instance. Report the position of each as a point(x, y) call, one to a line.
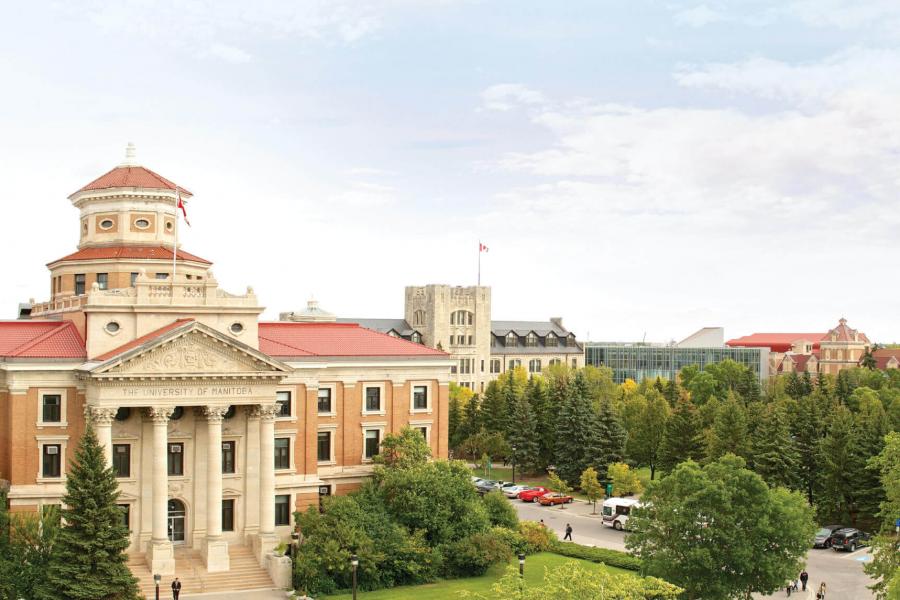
point(215, 414)
point(266, 412)
point(159, 414)
point(101, 415)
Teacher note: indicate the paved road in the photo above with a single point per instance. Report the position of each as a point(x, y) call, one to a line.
point(842, 572)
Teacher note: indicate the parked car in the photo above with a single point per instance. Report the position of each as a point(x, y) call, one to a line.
point(476, 480)
point(533, 493)
point(823, 536)
point(512, 491)
point(849, 539)
point(487, 485)
point(551, 498)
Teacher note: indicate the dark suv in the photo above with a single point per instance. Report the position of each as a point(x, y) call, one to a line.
point(849, 539)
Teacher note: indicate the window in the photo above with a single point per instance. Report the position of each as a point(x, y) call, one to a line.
point(142, 223)
point(482, 365)
point(228, 456)
point(461, 317)
point(550, 340)
point(133, 278)
point(555, 361)
point(416, 337)
point(176, 459)
point(283, 399)
point(51, 408)
point(79, 284)
point(126, 514)
point(106, 224)
point(419, 318)
point(574, 363)
point(511, 339)
point(324, 446)
point(534, 365)
point(514, 363)
point(471, 340)
point(373, 399)
point(237, 328)
point(531, 340)
point(452, 369)
point(373, 439)
point(228, 515)
point(162, 275)
point(121, 459)
point(103, 281)
point(283, 509)
point(282, 453)
point(495, 365)
point(424, 432)
point(325, 400)
point(112, 327)
point(420, 397)
point(51, 461)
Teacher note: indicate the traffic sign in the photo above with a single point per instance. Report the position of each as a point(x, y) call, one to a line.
point(897, 523)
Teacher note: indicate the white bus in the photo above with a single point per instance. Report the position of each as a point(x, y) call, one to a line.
point(616, 511)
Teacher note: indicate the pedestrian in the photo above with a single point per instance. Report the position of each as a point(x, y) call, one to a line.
point(543, 524)
point(176, 589)
point(789, 587)
point(804, 577)
point(568, 533)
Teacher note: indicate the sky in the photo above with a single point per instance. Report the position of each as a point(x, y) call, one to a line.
point(641, 169)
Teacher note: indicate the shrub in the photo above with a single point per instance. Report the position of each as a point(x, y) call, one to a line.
point(613, 558)
point(500, 511)
point(473, 555)
point(510, 537)
point(536, 537)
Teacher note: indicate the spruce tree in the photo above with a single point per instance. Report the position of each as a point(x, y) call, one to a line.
point(774, 453)
point(871, 425)
point(750, 390)
point(610, 439)
point(454, 421)
point(793, 387)
point(844, 387)
point(577, 432)
point(807, 427)
point(493, 409)
point(683, 439)
point(806, 384)
point(840, 465)
point(823, 385)
point(672, 393)
point(729, 431)
point(523, 435)
point(544, 414)
point(89, 560)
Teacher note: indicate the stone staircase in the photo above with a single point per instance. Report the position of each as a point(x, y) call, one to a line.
point(245, 574)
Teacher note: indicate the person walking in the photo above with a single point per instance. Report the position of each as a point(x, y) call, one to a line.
point(568, 532)
point(176, 589)
point(804, 577)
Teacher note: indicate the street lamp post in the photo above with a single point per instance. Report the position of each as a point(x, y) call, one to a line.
point(521, 564)
point(354, 562)
point(514, 464)
point(156, 579)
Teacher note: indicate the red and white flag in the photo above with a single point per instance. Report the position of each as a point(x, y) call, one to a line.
point(181, 206)
point(482, 247)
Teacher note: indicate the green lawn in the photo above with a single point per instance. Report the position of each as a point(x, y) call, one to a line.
point(447, 589)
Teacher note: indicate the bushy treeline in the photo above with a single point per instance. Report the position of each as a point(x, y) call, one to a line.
point(415, 521)
point(811, 434)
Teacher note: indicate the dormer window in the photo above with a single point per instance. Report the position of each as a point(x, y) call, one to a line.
point(551, 340)
point(511, 339)
point(531, 340)
point(416, 337)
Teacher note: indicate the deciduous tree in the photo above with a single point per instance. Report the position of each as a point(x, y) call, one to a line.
point(645, 440)
point(590, 487)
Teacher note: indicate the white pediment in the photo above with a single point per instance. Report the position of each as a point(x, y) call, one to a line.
point(195, 350)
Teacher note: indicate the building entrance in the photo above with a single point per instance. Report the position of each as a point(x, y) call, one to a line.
point(176, 521)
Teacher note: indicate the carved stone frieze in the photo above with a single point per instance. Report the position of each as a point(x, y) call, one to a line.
point(192, 353)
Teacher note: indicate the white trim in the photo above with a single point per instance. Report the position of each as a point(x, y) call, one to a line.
point(429, 397)
point(366, 427)
point(63, 403)
point(427, 425)
point(52, 440)
point(382, 400)
point(292, 443)
point(293, 392)
point(333, 388)
point(332, 429)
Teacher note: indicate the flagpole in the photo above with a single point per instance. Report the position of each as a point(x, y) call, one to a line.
point(175, 247)
point(479, 263)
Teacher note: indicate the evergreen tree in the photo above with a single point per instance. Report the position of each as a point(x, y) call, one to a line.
point(729, 431)
point(823, 385)
point(750, 390)
point(454, 421)
point(544, 414)
point(774, 454)
point(523, 435)
point(89, 560)
point(793, 386)
point(840, 466)
point(470, 424)
point(806, 427)
point(806, 384)
point(645, 439)
point(844, 387)
point(658, 385)
point(493, 409)
point(871, 425)
point(577, 432)
point(672, 392)
point(683, 439)
point(610, 439)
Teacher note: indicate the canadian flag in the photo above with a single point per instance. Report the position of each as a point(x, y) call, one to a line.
point(181, 206)
point(482, 247)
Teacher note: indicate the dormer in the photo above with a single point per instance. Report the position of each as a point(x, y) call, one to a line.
point(511, 339)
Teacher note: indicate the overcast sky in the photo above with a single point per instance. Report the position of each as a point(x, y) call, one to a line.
point(638, 168)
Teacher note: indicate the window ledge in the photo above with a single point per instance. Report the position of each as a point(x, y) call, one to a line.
point(128, 479)
point(420, 411)
point(376, 413)
point(60, 479)
point(42, 424)
point(326, 463)
point(331, 414)
point(285, 419)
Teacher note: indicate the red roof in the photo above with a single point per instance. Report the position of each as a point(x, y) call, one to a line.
point(132, 177)
point(129, 252)
point(40, 339)
point(845, 334)
point(144, 338)
point(776, 342)
point(883, 356)
point(284, 338)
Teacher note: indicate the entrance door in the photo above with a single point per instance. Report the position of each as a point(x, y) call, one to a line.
point(176, 521)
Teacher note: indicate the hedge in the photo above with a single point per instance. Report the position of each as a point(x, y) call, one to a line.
point(613, 558)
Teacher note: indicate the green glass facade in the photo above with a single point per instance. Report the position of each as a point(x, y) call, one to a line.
point(637, 362)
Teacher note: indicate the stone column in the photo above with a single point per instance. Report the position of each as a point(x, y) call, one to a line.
point(266, 537)
point(102, 418)
point(215, 550)
point(160, 555)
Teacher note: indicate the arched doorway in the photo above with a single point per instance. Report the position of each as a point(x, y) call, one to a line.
point(177, 514)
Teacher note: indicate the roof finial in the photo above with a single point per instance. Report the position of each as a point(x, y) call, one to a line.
point(130, 156)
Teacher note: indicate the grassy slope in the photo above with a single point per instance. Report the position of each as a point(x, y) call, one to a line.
point(444, 590)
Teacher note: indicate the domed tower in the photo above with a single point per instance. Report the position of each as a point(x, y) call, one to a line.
point(119, 285)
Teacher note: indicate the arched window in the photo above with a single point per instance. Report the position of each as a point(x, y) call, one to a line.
point(511, 339)
point(461, 317)
point(419, 317)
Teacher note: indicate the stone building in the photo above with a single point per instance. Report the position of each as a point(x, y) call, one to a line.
point(217, 425)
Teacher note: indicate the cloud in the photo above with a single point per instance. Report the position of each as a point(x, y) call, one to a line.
point(228, 53)
point(698, 16)
point(507, 96)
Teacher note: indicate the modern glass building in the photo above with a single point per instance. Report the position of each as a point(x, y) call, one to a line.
point(641, 361)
